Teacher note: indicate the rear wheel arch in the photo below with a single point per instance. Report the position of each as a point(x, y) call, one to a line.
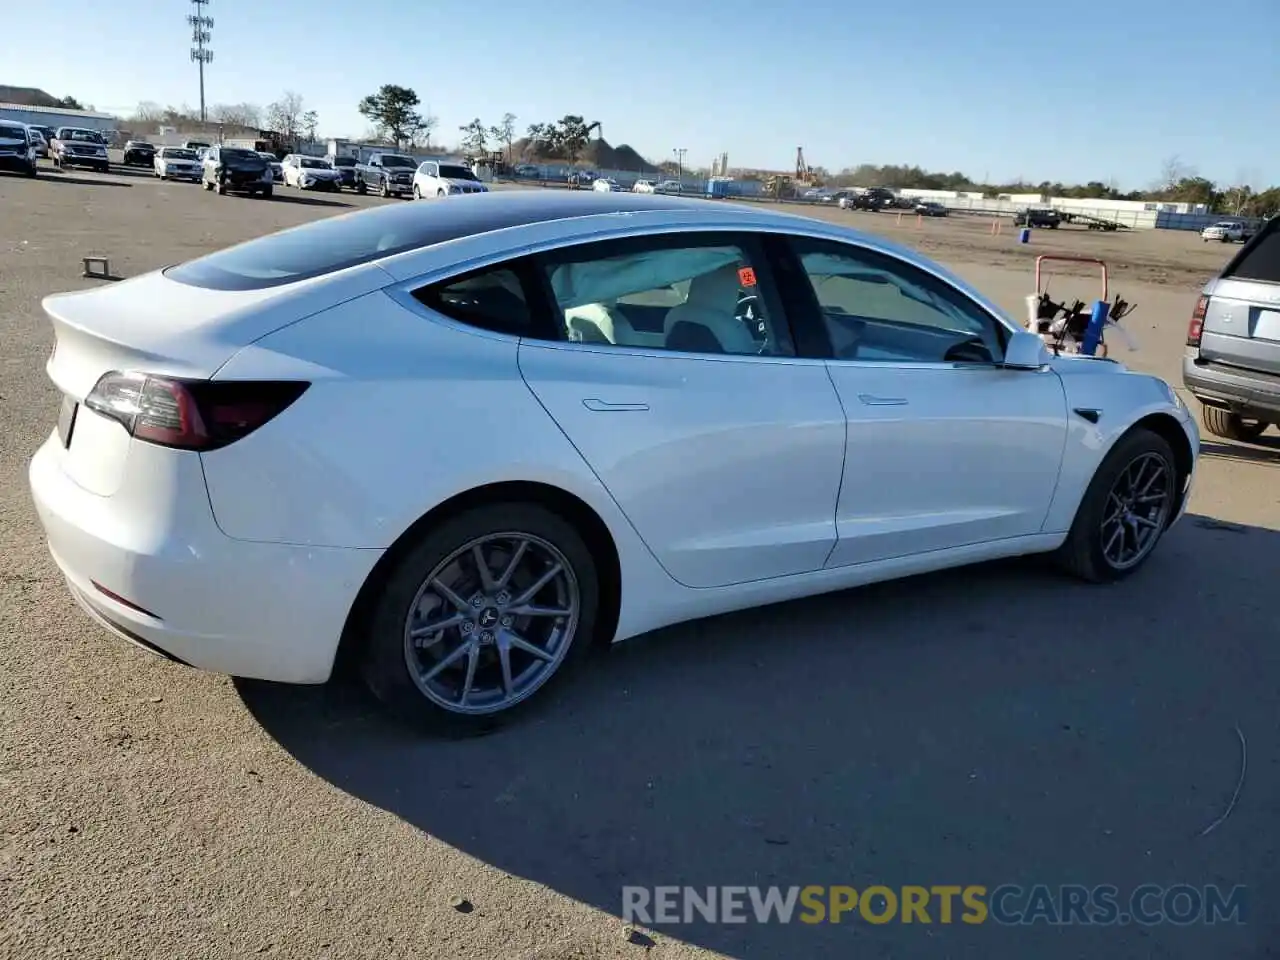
point(569, 507)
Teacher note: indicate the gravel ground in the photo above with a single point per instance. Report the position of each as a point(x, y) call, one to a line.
point(999, 724)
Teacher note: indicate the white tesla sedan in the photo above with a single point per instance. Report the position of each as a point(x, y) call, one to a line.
point(461, 443)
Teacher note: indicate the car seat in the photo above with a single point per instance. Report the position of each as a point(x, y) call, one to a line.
point(707, 321)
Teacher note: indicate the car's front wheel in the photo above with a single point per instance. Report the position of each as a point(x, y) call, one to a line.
point(417, 194)
point(1232, 426)
point(480, 615)
point(1125, 510)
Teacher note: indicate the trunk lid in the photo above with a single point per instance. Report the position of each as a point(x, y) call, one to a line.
point(156, 325)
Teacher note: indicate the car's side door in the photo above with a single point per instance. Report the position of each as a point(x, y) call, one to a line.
point(722, 448)
point(945, 447)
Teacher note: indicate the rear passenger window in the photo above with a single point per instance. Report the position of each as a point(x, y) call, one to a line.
point(491, 299)
point(1261, 260)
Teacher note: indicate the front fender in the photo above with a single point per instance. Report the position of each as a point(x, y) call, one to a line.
point(1121, 399)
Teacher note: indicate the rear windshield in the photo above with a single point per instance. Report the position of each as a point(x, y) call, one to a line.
point(1260, 258)
point(313, 164)
point(13, 132)
point(453, 171)
point(234, 153)
point(311, 250)
point(391, 160)
point(343, 161)
point(87, 136)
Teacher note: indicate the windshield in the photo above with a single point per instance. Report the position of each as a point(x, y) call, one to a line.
point(178, 153)
point(233, 153)
point(85, 136)
point(12, 132)
point(267, 156)
point(138, 143)
point(391, 160)
point(454, 171)
point(312, 164)
point(343, 161)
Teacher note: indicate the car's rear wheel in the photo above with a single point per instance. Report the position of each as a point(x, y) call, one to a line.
point(417, 194)
point(480, 615)
point(1231, 426)
point(1125, 510)
point(266, 193)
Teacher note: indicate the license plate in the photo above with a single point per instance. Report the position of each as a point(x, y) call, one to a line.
point(1268, 325)
point(67, 420)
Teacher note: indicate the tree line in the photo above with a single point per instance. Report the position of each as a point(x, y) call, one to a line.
point(1177, 183)
point(395, 116)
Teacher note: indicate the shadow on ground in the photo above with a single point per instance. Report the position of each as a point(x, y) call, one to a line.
point(995, 725)
point(57, 176)
point(279, 196)
point(1266, 449)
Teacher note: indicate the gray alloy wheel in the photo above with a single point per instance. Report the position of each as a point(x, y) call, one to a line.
point(480, 613)
point(491, 623)
point(1137, 510)
point(1126, 509)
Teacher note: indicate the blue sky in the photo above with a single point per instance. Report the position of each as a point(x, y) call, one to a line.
point(1106, 89)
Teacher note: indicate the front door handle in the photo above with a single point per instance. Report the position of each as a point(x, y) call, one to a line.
point(605, 406)
point(873, 401)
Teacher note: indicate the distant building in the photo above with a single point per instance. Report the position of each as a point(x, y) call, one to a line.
point(59, 117)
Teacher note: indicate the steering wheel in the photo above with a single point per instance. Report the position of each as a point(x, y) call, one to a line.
point(748, 313)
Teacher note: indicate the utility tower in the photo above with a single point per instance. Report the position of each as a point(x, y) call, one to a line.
point(201, 34)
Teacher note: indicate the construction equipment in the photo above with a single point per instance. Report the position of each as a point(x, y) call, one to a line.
point(1076, 328)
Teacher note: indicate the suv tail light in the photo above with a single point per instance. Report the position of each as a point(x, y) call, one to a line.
point(190, 414)
point(1195, 329)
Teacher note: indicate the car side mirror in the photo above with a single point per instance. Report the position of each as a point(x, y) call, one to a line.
point(1025, 351)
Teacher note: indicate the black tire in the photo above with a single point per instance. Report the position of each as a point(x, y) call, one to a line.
point(220, 189)
point(33, 169)
point(206, 184)
point(1082, 553)
point(1231, 426)
point(266, 193)
point(361, 189)
point(383, 661)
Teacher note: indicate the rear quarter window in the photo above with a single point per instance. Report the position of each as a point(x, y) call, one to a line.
point(1260, 258)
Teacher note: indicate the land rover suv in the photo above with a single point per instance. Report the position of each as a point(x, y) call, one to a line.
point(1232, 363)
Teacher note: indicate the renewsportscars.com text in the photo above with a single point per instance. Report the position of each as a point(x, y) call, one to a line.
point(1007, 904)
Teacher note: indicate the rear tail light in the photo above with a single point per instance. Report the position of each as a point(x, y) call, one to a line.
point(190, 414)
point(1195, 329)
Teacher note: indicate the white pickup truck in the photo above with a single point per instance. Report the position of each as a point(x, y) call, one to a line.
point(1227, 231)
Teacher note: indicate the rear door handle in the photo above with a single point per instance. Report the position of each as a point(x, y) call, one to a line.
point(605, 406)
point(874, 401)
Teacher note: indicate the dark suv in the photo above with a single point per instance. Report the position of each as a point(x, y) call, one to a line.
point(1232, 363)
point(236, 170)
point(1038, 217)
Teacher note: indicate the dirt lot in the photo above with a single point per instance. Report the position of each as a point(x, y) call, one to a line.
point(996, 725)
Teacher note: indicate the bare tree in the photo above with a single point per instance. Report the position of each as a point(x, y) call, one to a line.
point(283, 116)
point(237, 114)
point(310, 121)
point(1173, 171)
point(148, 111)
point(505, 132)
point(421, 130)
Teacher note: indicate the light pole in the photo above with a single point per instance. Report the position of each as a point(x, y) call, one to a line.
point(200, 52)
point(679, 153)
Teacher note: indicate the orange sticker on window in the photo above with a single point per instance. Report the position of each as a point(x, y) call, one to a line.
point(747, 277)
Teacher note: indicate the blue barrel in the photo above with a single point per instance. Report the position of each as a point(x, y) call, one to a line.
point(1024, 235)
point(1093, 332)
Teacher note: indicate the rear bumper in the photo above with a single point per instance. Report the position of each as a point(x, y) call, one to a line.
point(268, 611)
point(1249, 393)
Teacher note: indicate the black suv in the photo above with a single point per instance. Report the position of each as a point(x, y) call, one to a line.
point(235, 170)
point(1038, 217)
